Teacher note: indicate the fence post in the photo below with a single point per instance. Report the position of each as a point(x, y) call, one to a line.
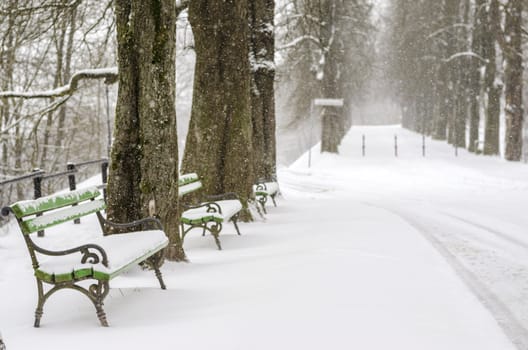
point(73, 184)
point(363, 145)
point(396, 145)
point(423, 145)
point(104, 176)
point(37, 193)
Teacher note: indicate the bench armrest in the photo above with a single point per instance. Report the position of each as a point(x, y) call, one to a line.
point(261, 186)
point(228, 195)
point(211, 207)
point(6, 211)
point(91, 253)
point(152, 221)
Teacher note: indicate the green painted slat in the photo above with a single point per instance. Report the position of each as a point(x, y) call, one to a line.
point(44, 276)
point(83, 273)
point(188, 188)
point(30, 207)
point(187, 179)
point(203, 219)
point(63, 277)
point(61, 216)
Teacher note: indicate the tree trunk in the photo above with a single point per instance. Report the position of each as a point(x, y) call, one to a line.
point(475, 82)
point(330, 84)
point(451, 12)
point(440, 127)
point(492, 86)
point(513, 80)
point(463, 78)
point(219, 142)
point(59, 141)
point(262, 52)
point(144, 160)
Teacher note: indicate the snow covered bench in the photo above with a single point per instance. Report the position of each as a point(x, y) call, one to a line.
point(264, 189)
point(98, 257)
point(209, 214)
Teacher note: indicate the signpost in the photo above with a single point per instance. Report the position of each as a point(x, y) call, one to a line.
point(329, 102)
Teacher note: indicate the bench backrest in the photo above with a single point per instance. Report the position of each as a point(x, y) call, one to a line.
point(188, 183)
point(57, 209)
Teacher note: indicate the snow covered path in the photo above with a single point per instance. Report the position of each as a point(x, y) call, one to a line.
point(338, 265)
point(471, 208)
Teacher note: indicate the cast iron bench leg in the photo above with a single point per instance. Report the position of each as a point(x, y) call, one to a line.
point(155, 263)
point(234, 219)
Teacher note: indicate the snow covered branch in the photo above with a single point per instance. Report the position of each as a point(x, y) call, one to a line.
point(109, 74)
point(441, 30)
point(7, 10)
point(180, 6)
point(465, 54)
point(299, 40)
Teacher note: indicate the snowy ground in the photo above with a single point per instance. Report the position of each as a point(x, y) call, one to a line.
point(361, 253)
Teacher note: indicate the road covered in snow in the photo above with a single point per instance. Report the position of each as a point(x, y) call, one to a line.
point(371, 252)
point(472, 209)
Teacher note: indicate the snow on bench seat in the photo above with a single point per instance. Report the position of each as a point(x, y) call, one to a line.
point(228, 208)
point(266, 188)
point(123, 251)
point(263, 190)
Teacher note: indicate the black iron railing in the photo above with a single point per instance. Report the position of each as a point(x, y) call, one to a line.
point(39, 176)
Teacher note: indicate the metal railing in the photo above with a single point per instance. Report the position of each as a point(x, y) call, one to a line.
point(38, 176)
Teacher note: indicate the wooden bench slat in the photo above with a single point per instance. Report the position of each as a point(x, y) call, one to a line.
point(187, 178)
point(189, 187)
point(31, 207)
point(61, 216)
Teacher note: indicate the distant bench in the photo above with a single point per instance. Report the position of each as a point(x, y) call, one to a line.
point(209, 214)
point(100, 258)
point(264, 189)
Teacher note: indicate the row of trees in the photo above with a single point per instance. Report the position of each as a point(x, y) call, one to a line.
point(328, 50)
point(231, 138)
point(230, 141)
point(445, 65)
point(41, 45)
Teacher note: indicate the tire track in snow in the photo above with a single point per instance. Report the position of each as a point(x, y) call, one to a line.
point(502, 314)
point(499, 234)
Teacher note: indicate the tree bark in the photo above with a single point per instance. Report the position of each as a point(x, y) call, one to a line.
point(262, 53)
point(513, 80)
point(144, 159)
point(475, 82)
point(492, 86)
point(330, 86)
point(219, 142)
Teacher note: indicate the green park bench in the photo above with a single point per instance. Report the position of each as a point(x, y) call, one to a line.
point(264, 189)
point(209, 214)
point(97, 258)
